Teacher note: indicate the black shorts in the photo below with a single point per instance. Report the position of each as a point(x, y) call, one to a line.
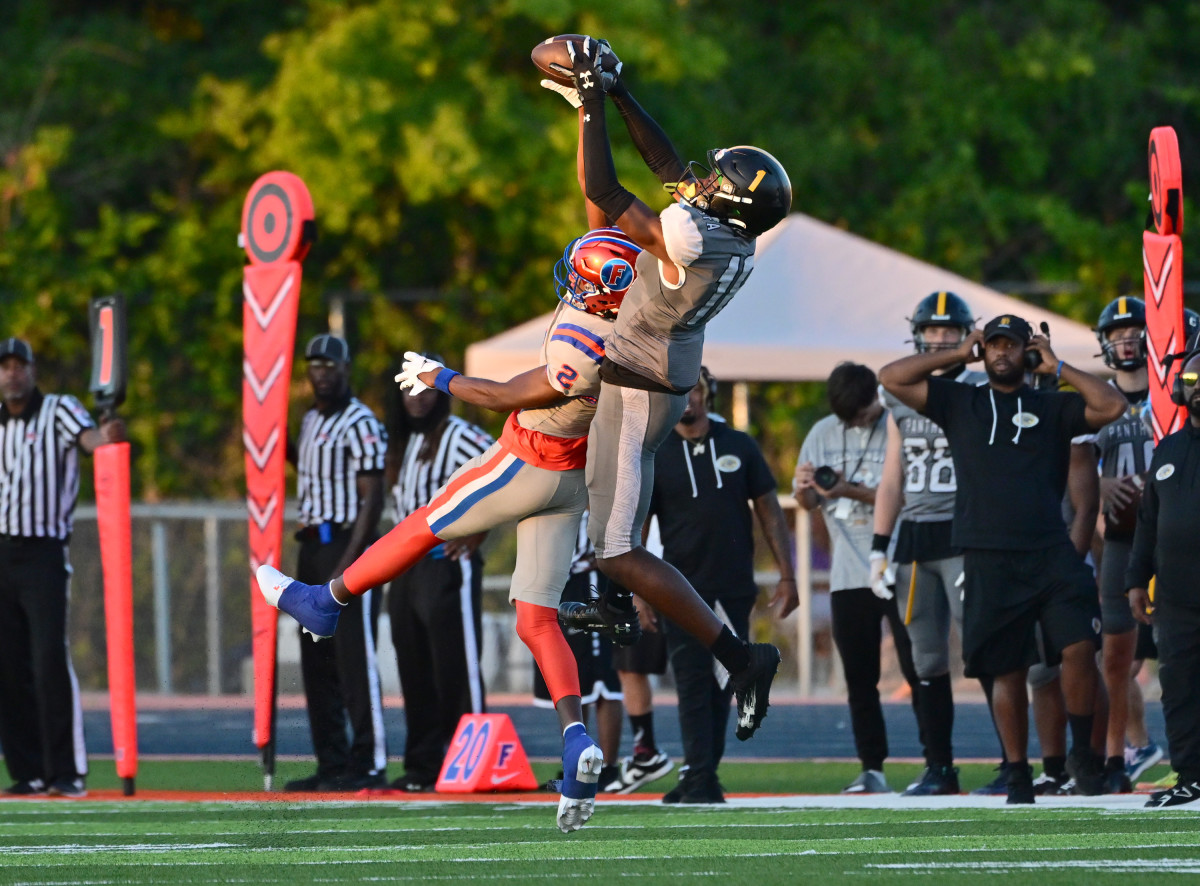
point(593, 654)
point(647, 656)
point(1009, 593)
point(1146, 647)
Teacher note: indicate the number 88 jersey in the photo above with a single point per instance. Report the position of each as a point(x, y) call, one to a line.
point(929, 482)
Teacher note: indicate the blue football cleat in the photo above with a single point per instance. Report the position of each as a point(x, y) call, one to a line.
point(312, 605)
point(582, 762)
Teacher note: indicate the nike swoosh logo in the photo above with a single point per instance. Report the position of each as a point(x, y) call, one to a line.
point(503, 778)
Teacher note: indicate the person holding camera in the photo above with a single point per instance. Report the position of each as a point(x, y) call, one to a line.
point(840, 466)
point(1011, 445)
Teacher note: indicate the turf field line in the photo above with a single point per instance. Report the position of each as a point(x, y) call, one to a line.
point(407, 859)
point(1122, 866)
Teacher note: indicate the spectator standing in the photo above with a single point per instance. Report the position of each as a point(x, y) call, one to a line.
point(1011, 446)
point(840, 466)
point(41, 721)
point(706, 477)
point(436, 606)
point(339, 481)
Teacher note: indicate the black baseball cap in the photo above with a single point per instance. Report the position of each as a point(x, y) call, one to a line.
point(16, 347)
point(1010, 326)
point(328, 347)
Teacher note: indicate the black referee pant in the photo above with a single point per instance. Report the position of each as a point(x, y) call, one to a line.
point(41, 721)
point(703, 702)
point(435, 611)
point(858, 616)
point(341, 674)
point(1177, 630)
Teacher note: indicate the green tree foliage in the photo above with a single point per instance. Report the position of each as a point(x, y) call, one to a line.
point(1005, 141)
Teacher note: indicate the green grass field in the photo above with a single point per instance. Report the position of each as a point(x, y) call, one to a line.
point(761, 841)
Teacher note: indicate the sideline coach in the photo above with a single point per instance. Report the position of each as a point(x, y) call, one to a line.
point(1011, 446)
point(1165, 543)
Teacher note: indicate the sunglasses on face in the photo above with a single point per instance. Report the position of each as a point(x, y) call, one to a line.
point(1189, 378)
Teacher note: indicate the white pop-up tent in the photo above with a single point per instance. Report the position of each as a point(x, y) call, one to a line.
point(818, 295)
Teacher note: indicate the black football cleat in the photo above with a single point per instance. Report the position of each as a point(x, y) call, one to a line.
point(752, 688)
point(609, 615)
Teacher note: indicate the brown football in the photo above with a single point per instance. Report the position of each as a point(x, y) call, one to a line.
point(554, 50)
point(1123, 518)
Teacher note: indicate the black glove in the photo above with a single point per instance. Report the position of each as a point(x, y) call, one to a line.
point(585, 69)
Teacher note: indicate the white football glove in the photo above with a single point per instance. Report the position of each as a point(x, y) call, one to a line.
point(879, 576)
point(570, 93)
point(414, 364)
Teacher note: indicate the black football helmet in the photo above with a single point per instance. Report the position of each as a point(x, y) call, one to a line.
point(743, 185)
point(1128, 310)
point(939, 309)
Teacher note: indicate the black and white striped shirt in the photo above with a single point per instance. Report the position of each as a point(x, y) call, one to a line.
point(333, 450)
point(419, 478)
point(39, 465)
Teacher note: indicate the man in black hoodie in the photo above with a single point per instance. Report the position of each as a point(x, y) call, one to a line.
point(706, 478)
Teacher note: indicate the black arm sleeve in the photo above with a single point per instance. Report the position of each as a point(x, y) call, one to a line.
point(599, 174)
point(650, 139)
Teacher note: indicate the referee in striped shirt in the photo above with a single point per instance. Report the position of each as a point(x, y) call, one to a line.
point(340, 460)
point(41, 724)
point(434, 607)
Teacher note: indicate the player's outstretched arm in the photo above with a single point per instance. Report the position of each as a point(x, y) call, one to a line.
point(525, 391)
point(601, 185)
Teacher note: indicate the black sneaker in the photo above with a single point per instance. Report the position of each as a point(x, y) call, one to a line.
point(311, 783)
point(27, 787)
point(1116, 781)
point(935, 781)
point(1047, 785)
point(351, 783)
point(609, 615)
point(414, 786)
point(997, 787)
point(1083, 765)
point(609, 781)
point(1181, 794)
point(72, 788)
point(695, 789)
point(752, 688)
point(639, 770)
point(1020, 784)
